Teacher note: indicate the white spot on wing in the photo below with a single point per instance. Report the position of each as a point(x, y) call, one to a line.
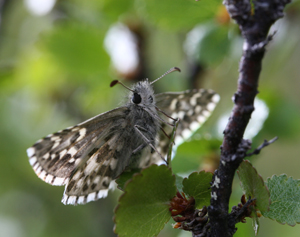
point(112, 185)
point(215, 98)
point(180, 114)
point(186, 133)
point(82, 133)
point(90, 166)
point(43, 175)
point(73, 129)
point(81, 200)
point(193, 99)
point(38, 170)
point(64, 199)
point(107, 179)
point(97, 179)
point(80, 182)
point(72, 200)
point(211, 106)
point(49, 178)
point(46, 156)
point(76, 175)
point(113, 163)
point(201, 119)
point(30, 152)
point(206, 113)
point(56, 144)
point(72, 160)
point(102, 193)
point(36, 166)
point(173, 104)
point(72, 151)
point(59, 181)
point(55, 138)
point(77, 161)
point(198, 109)
point(91, 197)
point(32, 160)
point(194, 126)
point(190, 112)
point(113, 140)
point(62, 153)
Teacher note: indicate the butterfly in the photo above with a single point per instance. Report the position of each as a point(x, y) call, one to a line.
point(88, 157)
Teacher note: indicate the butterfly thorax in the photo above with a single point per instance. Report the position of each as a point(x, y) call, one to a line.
point(142, 103)
point(142, 118)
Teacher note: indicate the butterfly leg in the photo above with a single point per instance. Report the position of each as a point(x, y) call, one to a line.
point(136, 150)
point(139, 129)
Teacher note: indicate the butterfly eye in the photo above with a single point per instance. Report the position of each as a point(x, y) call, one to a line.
point(150, 99)
point(136, 98)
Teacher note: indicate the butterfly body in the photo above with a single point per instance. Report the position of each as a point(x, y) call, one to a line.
point(86, 158)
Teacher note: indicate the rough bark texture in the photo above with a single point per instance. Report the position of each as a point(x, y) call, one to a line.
point(254, 20)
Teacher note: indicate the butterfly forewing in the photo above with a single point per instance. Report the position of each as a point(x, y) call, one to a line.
point(192, 107)
point(56, 157)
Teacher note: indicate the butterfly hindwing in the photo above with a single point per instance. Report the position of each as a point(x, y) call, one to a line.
point(192, 107)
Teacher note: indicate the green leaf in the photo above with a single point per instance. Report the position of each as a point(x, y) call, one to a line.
point(77, 49)
point(176, 15)
point(143, 209)
point(191, 153)
point(113, 10)
point(197, 185)
point(285, 199)
point(124, 177)
point(253, 185)
point(282, 110)
point(179, 184)
point(212, 35)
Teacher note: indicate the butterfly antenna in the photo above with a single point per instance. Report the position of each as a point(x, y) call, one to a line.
point(113, 83)
point(173, 69)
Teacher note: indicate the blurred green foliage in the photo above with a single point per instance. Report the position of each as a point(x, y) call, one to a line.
point(55, 72)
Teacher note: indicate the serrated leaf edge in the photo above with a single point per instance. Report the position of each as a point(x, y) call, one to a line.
point(262, 180)
point(269, 178)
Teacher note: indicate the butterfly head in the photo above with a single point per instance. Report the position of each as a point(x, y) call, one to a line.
point(142, 94)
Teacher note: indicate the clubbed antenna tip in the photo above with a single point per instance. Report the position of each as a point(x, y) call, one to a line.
point(115, 82)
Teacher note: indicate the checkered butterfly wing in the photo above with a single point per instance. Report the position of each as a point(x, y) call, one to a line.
point(192, 107)
point(88, 156)
point(85, 157)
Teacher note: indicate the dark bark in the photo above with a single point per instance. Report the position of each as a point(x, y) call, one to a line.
point(254, 23)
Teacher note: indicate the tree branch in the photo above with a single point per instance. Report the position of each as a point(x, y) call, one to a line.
point(254, 22)
point(266, 143)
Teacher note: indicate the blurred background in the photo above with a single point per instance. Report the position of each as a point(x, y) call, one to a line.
point(58, 57)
